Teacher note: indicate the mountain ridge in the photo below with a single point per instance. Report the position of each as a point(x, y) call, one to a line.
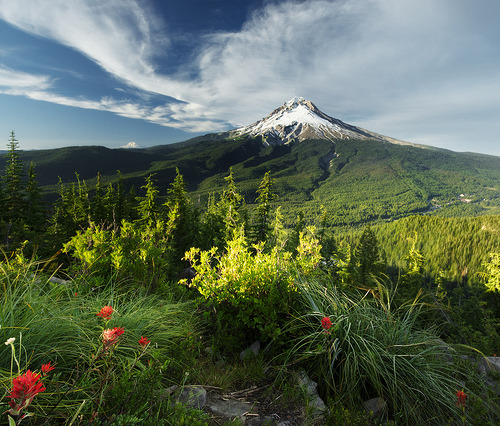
point(299, 119)
point(358, 178)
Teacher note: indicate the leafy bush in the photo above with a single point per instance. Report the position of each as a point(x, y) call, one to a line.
point(134, 252)
point(250, 290)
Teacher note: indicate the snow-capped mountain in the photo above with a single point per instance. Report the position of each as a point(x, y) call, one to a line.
point(300, 119)
point(130, 145)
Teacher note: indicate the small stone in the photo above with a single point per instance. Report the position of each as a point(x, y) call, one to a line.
point(231, 409)
point(310, 387)
point(261, 421)
point(252, 350)
point(193, 396)
point(376, 406)
point(488, 364)
point(307, 383)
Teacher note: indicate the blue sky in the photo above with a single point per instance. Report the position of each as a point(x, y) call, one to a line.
point(108, 72)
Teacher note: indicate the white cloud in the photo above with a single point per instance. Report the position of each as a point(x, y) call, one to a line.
point(121, 36)
point(388, 64)
point(18, 81)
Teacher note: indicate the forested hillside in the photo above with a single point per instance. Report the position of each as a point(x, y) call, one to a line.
point(358, 181)
point(97, 276)
point(456, 247)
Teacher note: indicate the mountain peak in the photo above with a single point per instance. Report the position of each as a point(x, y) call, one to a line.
point(299, 119)
point(295, 101)
point(130, 145)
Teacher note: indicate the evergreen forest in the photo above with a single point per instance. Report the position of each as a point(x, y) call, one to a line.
point(375, 269)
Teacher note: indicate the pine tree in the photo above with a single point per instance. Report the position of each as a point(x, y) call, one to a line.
point(182, 216)
point(264, 199)
point(223, 216)
point(294, 238)
point(2, 203)
point(97, 209)
point(148, 205)
point(232, 208)
point(13, 203)
point(34, 214)
point(81, 204)
point(13, 180)
point(110, 206)
point(121, 208)
point(366, 257)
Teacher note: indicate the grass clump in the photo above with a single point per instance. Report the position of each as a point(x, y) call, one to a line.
point(102, 367)
point(366, 350)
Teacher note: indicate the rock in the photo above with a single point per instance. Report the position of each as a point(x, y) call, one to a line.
point(488, 364)
point(262, 421)
point(376, 406)
point(307, 383)
point(310, 387)
point(193, 396)
point(59, 281)
point(188, 275)
point(228, 408)
point(252, 350)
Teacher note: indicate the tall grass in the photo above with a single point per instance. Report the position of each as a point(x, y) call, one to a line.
point(371, 351)
point(57, 322)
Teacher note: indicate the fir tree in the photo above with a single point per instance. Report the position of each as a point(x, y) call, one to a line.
point(264, 199)
point(148, 205)
point(181, 215)
point(13, 203)
point(13, 180)
point(34, 214)
point(366, 257)
point(294, 238)
point(224, 216)
point(97, 209)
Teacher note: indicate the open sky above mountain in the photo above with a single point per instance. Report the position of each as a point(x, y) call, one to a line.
point(108, 72)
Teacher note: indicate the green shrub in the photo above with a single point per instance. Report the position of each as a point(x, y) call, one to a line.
point(370, 351)
point(134, 252)
point(250, 290)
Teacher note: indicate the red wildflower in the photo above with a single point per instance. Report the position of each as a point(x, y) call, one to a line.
point(110, 336)
point(46, 368)
point(24, 389)
point(105, 312)
point(326, 323)
point(144, 341)
point(462, 397)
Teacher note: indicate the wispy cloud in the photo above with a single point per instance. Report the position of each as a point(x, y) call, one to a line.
point(18, 82)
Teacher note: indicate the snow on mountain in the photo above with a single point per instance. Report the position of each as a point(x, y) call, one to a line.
point(130, 145)
point(300, 119)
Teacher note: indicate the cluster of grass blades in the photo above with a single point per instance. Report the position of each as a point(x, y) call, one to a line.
point(57, 322)
point(370, 351)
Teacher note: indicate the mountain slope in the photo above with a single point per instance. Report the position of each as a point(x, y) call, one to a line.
point(299, 119)
point(314, 159)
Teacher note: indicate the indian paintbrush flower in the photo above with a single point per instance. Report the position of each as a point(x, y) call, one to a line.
point(326, 323)
point(110, 336)
point(462, 398)
point(24, 388)
point(105, 312)
point(144, 341)
point(46, 368)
